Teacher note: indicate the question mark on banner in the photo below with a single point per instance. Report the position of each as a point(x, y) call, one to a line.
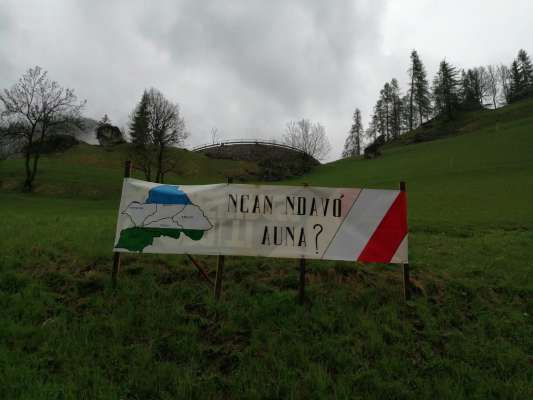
point(317, 235)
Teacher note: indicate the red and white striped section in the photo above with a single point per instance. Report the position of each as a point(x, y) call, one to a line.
point(375, 229)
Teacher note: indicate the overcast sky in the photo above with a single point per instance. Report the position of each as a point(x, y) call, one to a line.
point(248, 67)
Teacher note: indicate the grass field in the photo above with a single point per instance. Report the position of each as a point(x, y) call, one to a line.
point(467, 333)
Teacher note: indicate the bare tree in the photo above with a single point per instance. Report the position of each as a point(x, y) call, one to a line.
point(504, 78)
point(156, 125)
point(491, 78)
point(32, 108)
point(309, 137)
point(214, 135)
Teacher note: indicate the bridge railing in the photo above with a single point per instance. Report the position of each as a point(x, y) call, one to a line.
point(233, 142)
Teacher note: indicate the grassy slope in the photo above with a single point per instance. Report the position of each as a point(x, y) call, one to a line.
point(94, 172)
point(467, 334)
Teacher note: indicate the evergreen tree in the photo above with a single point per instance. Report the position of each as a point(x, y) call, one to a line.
point(517, 85)
point(415, 72)
point(446, 90)
point(352, 146)
point(379, 118)
point(405, 115)
point(473, 88)
point(385, 97)
point(372, 132)
point(419, 95)
point(140, 135)
point(525, 67)
point(105, 120)
point(396, 109)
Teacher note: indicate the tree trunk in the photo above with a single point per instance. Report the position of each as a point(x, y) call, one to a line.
point(28, 181)
point(28, 187)
point(159, 174)
point(34, 169)
point(411, 103)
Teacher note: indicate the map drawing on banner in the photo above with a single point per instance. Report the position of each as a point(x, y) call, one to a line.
point(167, 211)
point(367, 225)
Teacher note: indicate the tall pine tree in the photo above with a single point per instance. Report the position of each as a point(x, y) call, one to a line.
point(446, 90)
point(396, 109)
point(352, 145)
point(525, 67)
point(140, 135)
point(419, 95)
point(517, 86)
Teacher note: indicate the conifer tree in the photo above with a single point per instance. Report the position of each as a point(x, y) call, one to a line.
point(140, 135)
point(419, 95)
point(396, 109)
point(446, 90)
point(525, 67)
point(352, 145)
point(517, 85)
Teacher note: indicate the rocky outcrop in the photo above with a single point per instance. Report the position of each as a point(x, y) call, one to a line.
point(109, 135)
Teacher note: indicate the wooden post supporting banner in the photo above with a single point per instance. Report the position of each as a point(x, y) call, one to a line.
point(201, 270)
point(301, 289)
point(405, 267)
point(116, 255)
point(218, 279)
point(220, 267)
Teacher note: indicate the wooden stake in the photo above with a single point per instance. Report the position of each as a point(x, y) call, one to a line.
point(301, 289)
point(116, 255)
point(220, 266)
point(405, 267)
point(218, 279)
point(202, 271)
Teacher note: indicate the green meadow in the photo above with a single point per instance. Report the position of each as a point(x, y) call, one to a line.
point(467, 332)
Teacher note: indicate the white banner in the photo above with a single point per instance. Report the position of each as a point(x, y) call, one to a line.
point(366, 225)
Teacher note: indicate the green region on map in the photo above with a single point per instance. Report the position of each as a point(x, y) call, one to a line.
point(137, 238)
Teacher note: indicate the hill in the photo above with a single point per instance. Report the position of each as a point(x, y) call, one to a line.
point(95, 172)
point(467, 332)
point(481, 172)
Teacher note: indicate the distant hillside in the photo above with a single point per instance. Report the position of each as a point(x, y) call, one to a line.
point(276, 162)
point(484, 165)
point(466, 122)
point(96, 172)
point(480, 173)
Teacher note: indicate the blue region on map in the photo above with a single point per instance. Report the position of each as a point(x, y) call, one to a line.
point(167, 194)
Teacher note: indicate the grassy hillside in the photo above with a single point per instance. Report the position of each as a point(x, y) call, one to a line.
point(94, 172)
point(467, 333)
point(482, 175)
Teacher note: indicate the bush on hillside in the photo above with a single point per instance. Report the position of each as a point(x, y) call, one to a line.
point(373, 149)
point(57, 143)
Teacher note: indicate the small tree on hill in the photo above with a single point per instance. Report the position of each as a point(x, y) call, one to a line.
point(34, 107)
point(352, 145)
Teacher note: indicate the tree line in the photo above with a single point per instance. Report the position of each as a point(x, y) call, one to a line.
point(451, 91)
point(36, 108)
